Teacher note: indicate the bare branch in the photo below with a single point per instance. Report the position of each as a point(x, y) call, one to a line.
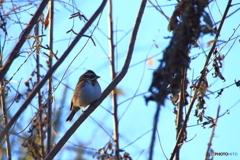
point(50, 98)
point(155, 122)
point(113, 74)
point(5, 119)
point(159, 9)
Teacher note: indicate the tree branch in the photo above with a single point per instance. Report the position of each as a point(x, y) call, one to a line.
point(155, 123)
point(50, 98)
point(181, 104)
point(113, 74)
point(5, 118)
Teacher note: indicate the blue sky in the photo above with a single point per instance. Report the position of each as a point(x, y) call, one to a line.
point(138, 118)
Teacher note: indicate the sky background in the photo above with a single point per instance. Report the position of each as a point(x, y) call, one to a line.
point(136, 122)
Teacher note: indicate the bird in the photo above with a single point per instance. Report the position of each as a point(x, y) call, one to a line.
point(86, 91)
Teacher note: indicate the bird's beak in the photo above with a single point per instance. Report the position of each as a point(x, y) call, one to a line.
point(98, 77)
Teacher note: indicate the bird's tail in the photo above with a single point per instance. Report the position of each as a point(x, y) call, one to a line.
point(70, 116)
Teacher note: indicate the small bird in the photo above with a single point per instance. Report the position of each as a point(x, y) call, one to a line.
point(87, 91)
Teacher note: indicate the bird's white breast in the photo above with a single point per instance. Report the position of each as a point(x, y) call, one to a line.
point(88, 94)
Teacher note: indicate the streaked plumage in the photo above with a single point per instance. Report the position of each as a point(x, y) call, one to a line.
point(87, 91)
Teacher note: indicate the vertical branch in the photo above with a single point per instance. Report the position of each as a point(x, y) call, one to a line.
point(41, 134)
point(179, 118)
point(113, 74)
point(49, 119)
point(155, 124)
point(4, 111)
point(207, 156)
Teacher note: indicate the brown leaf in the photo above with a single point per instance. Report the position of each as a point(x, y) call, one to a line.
point(118, 91)
point(212, 41)
point(150, 61)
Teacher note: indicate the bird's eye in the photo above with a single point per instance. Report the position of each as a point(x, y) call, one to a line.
point(89, 76)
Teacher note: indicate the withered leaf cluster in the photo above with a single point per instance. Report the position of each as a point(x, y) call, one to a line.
point(217, 65)
point(107, 153)
point(186, 25)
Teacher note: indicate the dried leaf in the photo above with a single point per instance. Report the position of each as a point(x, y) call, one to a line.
point(150, 61)
point(203, 87)
point(212, 41)
point(118, 91)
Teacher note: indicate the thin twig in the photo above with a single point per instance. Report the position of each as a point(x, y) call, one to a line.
point(135, 95)
point(137, 139)
point(159, 9)
point(141, 80)
point(110, 87)
point(140, 154)
point(161, 144)
point(101, 127)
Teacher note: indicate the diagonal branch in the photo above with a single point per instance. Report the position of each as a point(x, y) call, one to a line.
point(106, 92)
point(51, 71)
